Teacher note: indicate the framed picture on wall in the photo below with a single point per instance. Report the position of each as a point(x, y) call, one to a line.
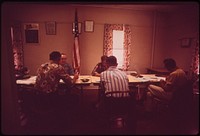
point(185, 42)
point(31, 32)
point(50, 28)
point(89, 26)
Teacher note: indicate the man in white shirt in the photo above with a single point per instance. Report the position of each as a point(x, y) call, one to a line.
point(114, 79)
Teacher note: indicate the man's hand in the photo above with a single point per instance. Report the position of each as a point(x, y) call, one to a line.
point(162, 83)
point(76, 75)
point(97, 74)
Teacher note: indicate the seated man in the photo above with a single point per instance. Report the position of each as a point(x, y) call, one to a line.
point(48, 78)
point(174, 81)
point(50, 73)
point(119, 104)
point(100, 67)
point(113, 78)
point(68, 68)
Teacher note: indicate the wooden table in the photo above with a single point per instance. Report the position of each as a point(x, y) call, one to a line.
point(134, 81)
point(96, 80)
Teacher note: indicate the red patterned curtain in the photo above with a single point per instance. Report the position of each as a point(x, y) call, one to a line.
point(194, 68)
point(127, 46)
point(17, 44)
point(108, 41)
point(108, 37)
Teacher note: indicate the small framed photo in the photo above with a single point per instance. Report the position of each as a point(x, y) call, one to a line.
point(50, 28)
point(89, 26)
point(185, 42)
point(31, 32)
point(79, 27)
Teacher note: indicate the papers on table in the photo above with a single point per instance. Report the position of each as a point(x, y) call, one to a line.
point(134, 79)
point(28, 81)
point(95, 79)
point(153, 78)
point(145, 78)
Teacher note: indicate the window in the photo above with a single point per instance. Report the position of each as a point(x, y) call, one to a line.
point(117, 42)
point(118, 47)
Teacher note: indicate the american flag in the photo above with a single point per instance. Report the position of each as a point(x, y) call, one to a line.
point(76, 53)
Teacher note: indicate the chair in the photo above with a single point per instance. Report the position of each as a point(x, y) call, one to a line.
point(182, 99)
point(25, 94)
point(119, 110)
point(180, 102)
point(160, 105)
point(25, 98)
point(43, 108)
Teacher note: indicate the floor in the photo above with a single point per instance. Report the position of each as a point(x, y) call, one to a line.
point(85, 119)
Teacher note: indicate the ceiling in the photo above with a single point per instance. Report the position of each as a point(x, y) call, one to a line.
point(147, 6)
point(159, 6)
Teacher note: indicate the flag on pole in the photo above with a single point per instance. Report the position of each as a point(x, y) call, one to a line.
point(76, 53)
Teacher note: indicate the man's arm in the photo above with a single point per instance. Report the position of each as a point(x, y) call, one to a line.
point(71, 70)
point(94, 73)
point(170, 82)
point(66, 77)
